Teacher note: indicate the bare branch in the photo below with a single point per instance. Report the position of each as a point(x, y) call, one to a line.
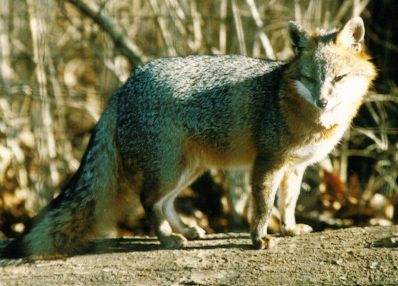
point(6, 72)
point(239, 28)
point(166, 34)
point(381, 97)
point(359, 6)
point(223, 26)
point(127, 47)
point(260, 25)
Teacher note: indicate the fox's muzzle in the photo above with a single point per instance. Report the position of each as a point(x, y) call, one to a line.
point(321, 103)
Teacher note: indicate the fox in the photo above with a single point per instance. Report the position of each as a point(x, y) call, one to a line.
point(174, 118)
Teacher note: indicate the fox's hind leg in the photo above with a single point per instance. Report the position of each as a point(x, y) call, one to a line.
point(192, 232)
point(153, 199)
point(157, 197)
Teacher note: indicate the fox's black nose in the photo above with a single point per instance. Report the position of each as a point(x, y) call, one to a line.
point(321, 103)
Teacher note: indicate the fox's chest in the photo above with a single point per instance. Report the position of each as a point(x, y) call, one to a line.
point(316, 150)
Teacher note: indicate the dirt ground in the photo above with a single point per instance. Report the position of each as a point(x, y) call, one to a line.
point(356, 256)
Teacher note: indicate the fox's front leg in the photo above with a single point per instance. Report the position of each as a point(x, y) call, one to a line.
point(288, 195)
point(265, 181)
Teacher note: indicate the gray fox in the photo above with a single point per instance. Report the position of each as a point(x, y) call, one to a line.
point(176, 117)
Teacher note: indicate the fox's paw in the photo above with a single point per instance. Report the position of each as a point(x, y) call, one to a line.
point(266, 242)
point(194, 232)
point(297, 229)
point(174, 240)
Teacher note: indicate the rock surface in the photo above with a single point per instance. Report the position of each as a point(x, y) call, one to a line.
point(356, 256)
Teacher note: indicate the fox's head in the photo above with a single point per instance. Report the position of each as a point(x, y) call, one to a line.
point(331, 68)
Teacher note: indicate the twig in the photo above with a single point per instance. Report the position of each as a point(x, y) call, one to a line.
point(343, 11)
point(359, 6)
point(269, 51)
point(297, 11)
point(223, 26)
point(344, 156)
point(121, 75)
point(178, 17)
point(126, 46)
point(163, 29)
point(373, 97)
point(6, 72)
point(196, 27)
point(62, 138)
point(382, 144)
point(239, 28)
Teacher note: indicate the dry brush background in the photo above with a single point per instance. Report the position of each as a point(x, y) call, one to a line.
point(60, 61)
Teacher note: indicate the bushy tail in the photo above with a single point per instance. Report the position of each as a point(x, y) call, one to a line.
point(63, 227)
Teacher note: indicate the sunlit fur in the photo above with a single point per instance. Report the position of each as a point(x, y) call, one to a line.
point(176, 117)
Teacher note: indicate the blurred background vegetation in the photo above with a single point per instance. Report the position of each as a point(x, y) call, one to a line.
point(61, 60)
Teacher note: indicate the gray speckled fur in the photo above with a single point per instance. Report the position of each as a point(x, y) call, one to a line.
point(175, 117)
point(200, 97)
point(227, 105)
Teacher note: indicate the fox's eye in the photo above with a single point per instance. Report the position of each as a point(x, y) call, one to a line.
point(307, 78)
point(340, 77)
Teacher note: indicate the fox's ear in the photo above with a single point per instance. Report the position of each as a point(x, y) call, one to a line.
point(352, 34)
point(299, 37)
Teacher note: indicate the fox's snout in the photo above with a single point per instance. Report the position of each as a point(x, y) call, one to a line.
point(314, 97)
point(321, 103)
